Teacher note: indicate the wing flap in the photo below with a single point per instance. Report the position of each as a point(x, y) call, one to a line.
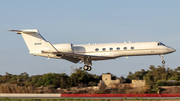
point(71, 59)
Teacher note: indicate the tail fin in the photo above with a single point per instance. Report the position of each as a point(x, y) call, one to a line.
point(32, 38)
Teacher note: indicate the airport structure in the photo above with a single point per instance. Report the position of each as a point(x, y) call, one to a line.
point(107, 80)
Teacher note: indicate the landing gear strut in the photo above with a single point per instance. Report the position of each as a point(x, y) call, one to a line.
point(162, 57)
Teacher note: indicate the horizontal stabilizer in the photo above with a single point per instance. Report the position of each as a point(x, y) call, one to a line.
point(27, 31)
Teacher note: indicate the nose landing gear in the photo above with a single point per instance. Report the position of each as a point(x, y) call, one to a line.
point(162, 57)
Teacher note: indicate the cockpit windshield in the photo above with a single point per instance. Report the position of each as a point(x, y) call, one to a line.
point(161, 44)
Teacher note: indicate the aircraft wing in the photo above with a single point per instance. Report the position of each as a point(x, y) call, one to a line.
point(71, 59)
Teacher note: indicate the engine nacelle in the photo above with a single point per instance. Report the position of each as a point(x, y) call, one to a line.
point(65, 47)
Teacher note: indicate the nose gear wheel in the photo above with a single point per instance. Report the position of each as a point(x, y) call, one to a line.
point(163, 62)
point(162, 57)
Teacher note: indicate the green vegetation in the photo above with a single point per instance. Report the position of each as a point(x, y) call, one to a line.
point(52, 79)
point(48, 83)
point(159, 76)
point(24, 83)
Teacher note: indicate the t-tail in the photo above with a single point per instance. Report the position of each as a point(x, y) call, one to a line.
point(34, 41)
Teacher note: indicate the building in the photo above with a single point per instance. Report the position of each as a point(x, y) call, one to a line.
point(107, 80)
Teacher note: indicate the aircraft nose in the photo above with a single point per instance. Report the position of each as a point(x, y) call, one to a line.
point(171, 50)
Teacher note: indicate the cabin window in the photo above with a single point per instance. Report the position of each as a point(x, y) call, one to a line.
point(132, 48)
point(96, 49)
point(125, 48)
point(110, 49)
point(118, 48)
point(104, 49)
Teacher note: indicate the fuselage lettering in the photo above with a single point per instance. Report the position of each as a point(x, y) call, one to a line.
point(37, 43)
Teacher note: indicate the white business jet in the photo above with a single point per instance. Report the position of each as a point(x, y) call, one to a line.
point(37, 45)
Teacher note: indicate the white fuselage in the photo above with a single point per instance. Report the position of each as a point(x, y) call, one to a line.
point(114, 50)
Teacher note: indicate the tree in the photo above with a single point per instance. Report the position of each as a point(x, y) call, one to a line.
point(82, 77)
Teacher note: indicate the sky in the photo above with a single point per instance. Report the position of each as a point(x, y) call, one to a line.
point(88, 21)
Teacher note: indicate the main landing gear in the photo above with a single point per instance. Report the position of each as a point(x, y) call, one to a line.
point(88, 64)
point(86, 67)
point(162, 57)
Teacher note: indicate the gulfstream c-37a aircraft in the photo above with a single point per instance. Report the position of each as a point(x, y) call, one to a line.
point(37, 45)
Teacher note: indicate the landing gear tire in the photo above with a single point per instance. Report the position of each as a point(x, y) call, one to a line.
point(85, 67)
point(88, 68)
point(163, 62)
